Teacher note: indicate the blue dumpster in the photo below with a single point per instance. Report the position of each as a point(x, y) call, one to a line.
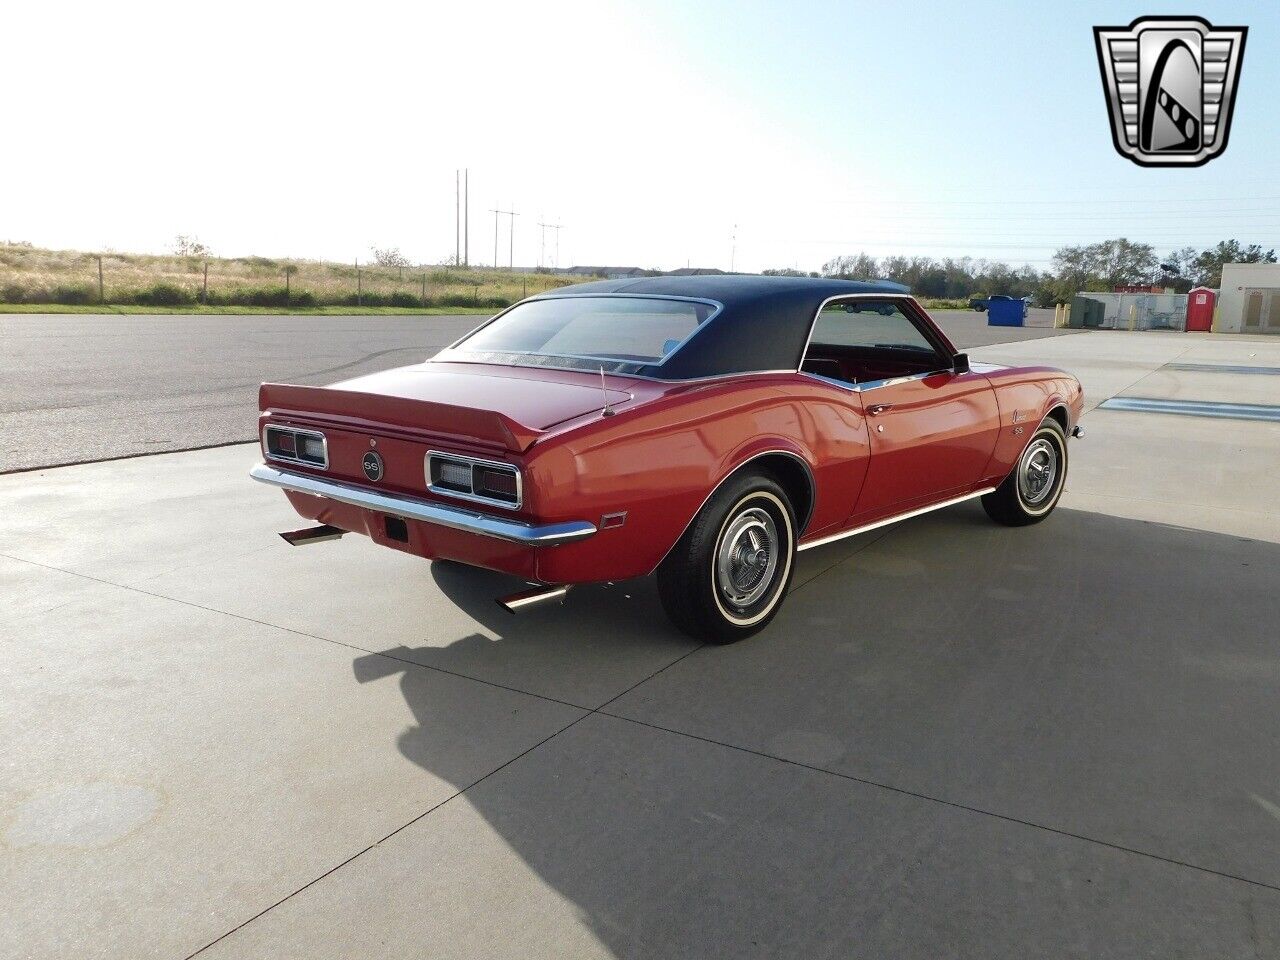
point(1005, 313)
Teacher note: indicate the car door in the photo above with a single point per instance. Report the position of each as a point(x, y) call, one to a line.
point(932, 427)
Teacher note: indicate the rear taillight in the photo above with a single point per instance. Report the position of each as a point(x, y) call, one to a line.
point(296, 446)
point(487, 481)
point(495, 483)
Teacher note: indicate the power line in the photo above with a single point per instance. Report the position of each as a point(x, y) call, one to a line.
point(1245, 213)
point(1066, 201)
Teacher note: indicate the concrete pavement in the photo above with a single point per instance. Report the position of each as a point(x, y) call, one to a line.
point(956, 739)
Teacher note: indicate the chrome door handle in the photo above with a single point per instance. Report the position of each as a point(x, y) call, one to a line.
point(878, 408)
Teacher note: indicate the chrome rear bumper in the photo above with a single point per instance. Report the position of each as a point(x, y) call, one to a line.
point(411, 508)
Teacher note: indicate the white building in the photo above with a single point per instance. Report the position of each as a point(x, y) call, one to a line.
point(1249, 299)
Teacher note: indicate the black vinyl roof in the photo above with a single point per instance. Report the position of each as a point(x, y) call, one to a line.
point(764, 324)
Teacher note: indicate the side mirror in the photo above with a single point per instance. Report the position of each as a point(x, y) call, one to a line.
point(960, 363)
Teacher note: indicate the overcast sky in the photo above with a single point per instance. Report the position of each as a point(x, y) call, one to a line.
point(654, 131)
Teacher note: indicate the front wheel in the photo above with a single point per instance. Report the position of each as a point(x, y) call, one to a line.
point(726, 577)
point(1033, 487)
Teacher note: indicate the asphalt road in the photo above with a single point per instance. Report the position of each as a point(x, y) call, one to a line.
point(76, 388)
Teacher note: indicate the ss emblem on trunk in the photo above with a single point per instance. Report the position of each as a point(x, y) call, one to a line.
point(372, 466)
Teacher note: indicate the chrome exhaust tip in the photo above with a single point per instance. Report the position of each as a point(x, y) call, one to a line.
point(1078, 432)
point(529, 598)
point(300, 538)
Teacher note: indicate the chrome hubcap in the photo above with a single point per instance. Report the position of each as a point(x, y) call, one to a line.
point(747, 557)
point(1038, 471)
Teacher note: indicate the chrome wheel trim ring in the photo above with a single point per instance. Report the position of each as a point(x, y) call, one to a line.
point(768, 589)
point(1038, 471)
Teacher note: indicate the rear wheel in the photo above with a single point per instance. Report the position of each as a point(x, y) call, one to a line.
point(1033, 487)
point(726, 577)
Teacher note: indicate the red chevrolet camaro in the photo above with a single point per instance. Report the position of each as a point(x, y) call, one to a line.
point(701, 428)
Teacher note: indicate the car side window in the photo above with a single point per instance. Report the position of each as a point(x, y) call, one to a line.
point(862, 341)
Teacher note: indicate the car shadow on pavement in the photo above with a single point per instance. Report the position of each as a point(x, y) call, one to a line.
point(1107, 679)
point(602, 640)
point(626, 609)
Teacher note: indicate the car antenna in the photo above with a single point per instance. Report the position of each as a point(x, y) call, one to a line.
point(608, 410)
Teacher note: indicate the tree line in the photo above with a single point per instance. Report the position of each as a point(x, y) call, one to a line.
point(1094, 266)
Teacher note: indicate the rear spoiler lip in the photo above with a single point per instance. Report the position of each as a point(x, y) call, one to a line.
point(404, 415)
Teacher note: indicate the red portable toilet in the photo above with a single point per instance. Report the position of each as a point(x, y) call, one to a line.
point(1200, 304)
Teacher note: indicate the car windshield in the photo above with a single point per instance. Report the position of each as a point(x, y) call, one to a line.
point(623, 329)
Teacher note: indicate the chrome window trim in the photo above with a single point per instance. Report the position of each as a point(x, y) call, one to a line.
point(871, 384)
point(716, 305)
point(627, 376)
point(441, 514)
point(266, 452)
point(474, 497)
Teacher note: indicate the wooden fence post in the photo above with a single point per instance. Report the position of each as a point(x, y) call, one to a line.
point(101, 298)
point(204, 290)
point(424, 289)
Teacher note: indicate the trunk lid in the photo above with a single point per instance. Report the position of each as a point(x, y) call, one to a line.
point(505, 407)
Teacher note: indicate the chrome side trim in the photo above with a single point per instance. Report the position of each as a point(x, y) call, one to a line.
point(455, 518)
point(888, 520)
point(474, 497)
point(813, 493)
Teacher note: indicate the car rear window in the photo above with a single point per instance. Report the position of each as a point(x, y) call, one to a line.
point(618, 329)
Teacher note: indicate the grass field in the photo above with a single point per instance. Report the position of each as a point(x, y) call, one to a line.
point(31, 278)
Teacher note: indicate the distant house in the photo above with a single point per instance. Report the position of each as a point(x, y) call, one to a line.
point(695, 272)
point(612, 273)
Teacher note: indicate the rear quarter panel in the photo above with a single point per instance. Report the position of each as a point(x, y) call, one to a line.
point(661, 459)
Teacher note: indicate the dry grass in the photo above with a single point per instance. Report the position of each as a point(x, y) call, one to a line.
point(68, 276)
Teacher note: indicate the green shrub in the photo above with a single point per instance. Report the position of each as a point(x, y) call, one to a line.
point(402, 299)
point(457, 300)
point(164, 295)
point(75, 295)
point(13, 293)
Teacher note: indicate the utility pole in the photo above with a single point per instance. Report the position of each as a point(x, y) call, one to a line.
point(457, 217)
point(495, 237)
point(511, 239)
point(510, 233)
point(466, 217)
point(556, 227)
point(733, 248)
